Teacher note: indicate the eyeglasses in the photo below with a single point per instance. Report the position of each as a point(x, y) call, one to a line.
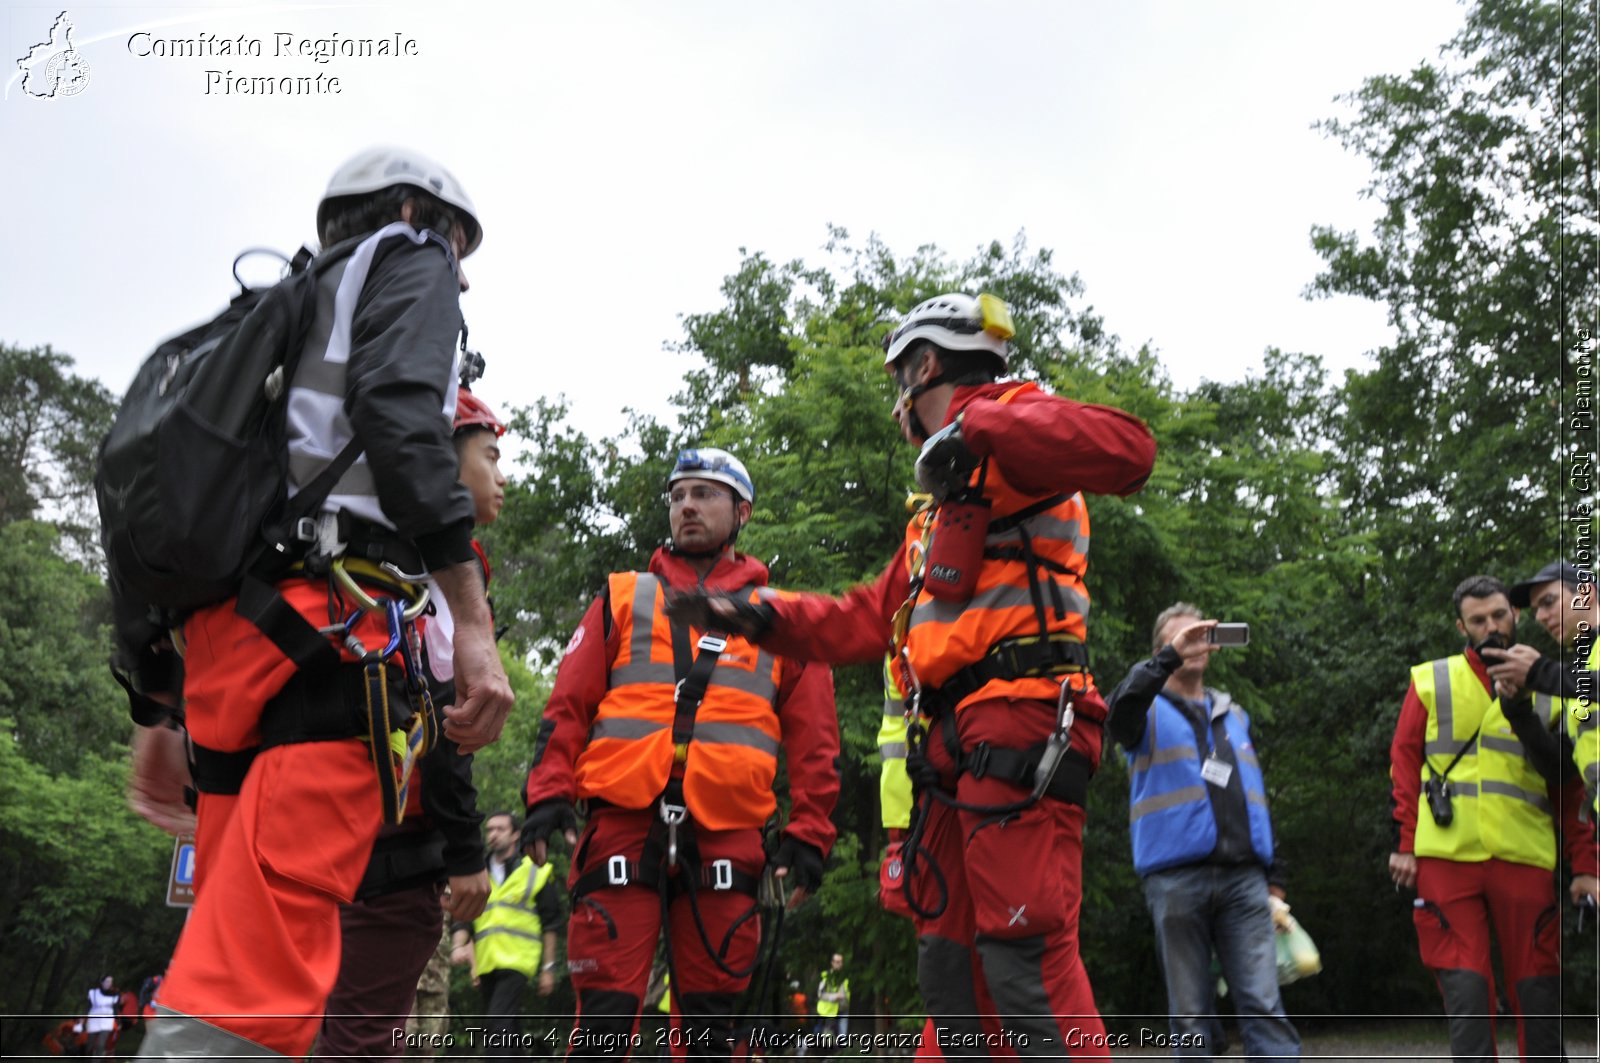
point(699, 492)
point(1547, 601)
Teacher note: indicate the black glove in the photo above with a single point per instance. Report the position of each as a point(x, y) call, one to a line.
point(746, 619)
point(546, 818)
point(804, 862)
point(945, 464)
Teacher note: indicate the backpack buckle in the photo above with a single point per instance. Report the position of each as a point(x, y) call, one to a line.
point(976, 763)
point(722, 874)
point(617, 871)
point(713, 643)
point(305, 530)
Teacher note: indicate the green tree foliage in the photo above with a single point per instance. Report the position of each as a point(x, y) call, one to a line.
point(81, 890)
point(51, 424)
point(1484, 251)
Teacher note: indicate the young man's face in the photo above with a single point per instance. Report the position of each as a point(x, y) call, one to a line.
point(703, 513)
point(1479, 617)
point(478, 453)
point(1562, 610)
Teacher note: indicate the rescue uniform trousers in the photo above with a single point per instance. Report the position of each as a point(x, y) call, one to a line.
point(260, 951)
point(388, 940)
point(1456, 903)
point(1015, 886)
point(611, 940)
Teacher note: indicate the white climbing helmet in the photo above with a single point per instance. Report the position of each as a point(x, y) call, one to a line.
point(956, 322)
point(379, 168)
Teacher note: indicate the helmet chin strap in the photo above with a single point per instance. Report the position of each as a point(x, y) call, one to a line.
point(908, 398)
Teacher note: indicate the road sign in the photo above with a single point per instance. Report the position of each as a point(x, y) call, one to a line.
point(180, 884)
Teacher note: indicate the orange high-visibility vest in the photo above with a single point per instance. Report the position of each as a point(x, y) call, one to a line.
point(945, 637)
point(732, 758)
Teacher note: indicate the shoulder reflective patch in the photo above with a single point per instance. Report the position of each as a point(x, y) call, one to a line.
point(575, 641)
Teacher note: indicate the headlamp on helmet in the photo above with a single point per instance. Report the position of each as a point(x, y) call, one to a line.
point(711, 463)
point(956, 322)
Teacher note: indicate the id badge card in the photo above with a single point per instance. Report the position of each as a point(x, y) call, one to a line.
point(1216, 772)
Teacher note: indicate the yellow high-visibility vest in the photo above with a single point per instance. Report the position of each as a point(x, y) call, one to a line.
point(1502, 806)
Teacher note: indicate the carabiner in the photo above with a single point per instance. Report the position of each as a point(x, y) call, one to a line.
point(348, 584)
point(1064, 707)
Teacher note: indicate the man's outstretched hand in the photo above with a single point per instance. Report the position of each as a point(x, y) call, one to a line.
point(719, 612)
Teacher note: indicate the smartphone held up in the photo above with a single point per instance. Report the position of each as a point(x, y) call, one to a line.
point(1229, 635)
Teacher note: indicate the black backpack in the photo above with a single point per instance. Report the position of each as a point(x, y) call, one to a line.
point(192, 478)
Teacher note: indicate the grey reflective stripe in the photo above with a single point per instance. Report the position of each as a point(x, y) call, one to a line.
point(1591, 774)
point(1256, 798)
point(1505, 789)
point(1165, 801)
point(1544, 706)
point(1171, 754)
point(627, 728)
point(892, 751)
point(640, 669)
point(508, 932)
point(318, 427)
point(1443, 747)
point(1142, 761)
point(1443, 703)
point(645, 587)
point(1501, 745)
point(735, 734)
point(357, 479)
point(1043, 526)
point(1463, 789)
point(180, 1036)
point(520, 907)
point(1589, 722)
point(318, 374)
point(1247, 756)
point(1004, 596)
point(761, 683)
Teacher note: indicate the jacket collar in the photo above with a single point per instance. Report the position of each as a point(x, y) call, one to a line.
point(728, 574)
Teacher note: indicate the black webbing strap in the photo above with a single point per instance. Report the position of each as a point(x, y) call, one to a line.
point(260, 603)
point(318, 708)
point(1070, 783)
point(1012, 520)
point(694, 676)
point(216, 772)
point(1027, 657)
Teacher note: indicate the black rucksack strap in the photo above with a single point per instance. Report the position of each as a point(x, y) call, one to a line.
point(260, 603)
point(1026, 657)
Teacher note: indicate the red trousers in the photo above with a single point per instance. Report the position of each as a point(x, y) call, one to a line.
point(260, 951)
point(1456, 905)
point(1013, 886)
point(612, 935)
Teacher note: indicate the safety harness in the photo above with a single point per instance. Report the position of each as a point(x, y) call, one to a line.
point(328, 698)
point(670, 842)
point(1046, 769)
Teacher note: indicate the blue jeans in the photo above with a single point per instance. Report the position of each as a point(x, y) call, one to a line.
point(1201, 907)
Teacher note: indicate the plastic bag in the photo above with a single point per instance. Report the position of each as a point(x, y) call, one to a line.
point(1297, 954)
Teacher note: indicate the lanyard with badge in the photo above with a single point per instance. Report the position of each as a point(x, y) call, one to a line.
point(1214, 769)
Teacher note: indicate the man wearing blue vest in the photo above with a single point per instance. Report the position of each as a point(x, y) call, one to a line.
point(1202, 839)
point(515, 937)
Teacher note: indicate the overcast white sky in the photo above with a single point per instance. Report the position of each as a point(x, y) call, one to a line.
point(620, 153)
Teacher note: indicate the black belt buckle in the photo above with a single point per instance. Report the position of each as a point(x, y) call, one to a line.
point(976, 763)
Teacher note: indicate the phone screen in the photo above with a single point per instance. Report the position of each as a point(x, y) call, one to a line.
point(1230, 635)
